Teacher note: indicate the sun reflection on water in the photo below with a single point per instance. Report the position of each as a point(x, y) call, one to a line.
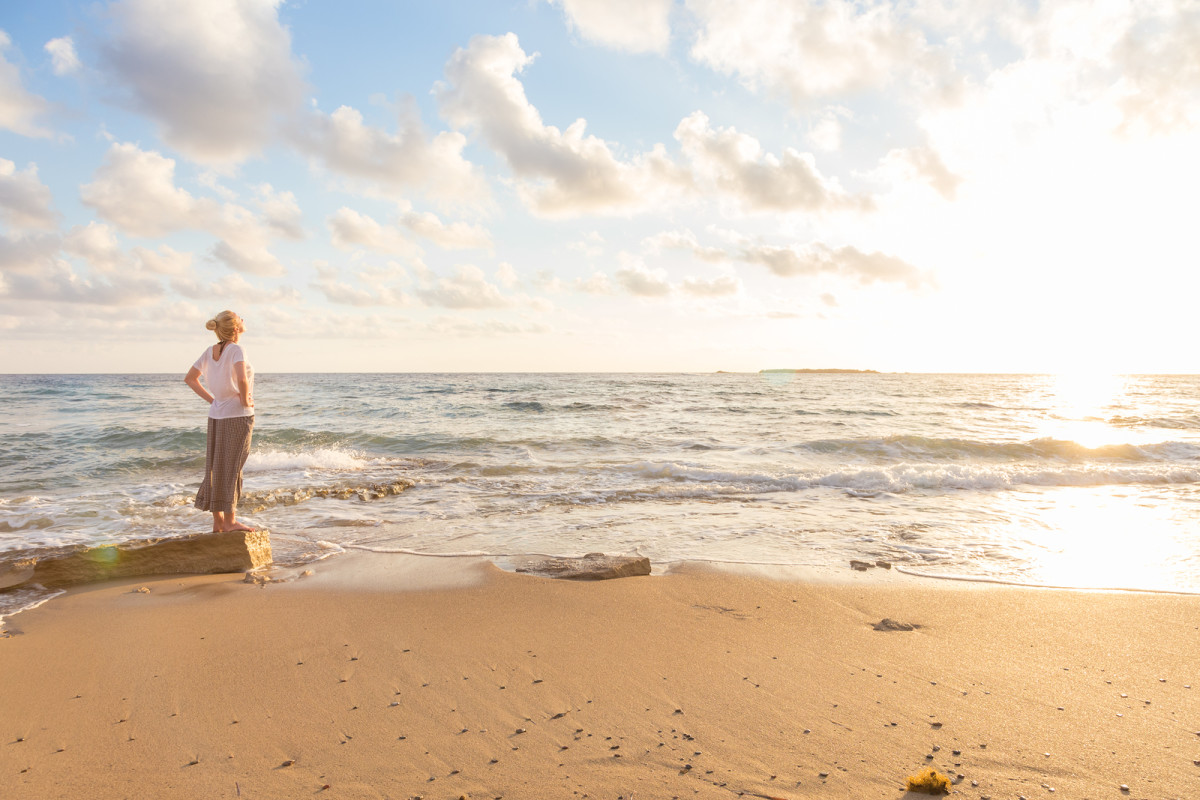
point(1109, 538)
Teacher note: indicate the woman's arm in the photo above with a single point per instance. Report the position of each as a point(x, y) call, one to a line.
point(193, 380)
point(243, 384)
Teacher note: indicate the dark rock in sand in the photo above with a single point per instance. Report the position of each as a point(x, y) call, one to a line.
point(592, 567)
point(893, 625)
point(197, 554)
point(861, 566)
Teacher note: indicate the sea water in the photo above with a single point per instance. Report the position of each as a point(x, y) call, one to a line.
point(1083, 481)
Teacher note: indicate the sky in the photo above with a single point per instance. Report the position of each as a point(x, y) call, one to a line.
point(601, 185)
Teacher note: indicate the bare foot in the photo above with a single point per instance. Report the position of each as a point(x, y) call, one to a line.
point(237, 526)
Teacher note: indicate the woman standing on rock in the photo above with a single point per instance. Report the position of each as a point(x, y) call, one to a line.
point(226, 370)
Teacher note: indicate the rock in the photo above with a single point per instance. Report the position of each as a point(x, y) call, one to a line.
point(202, 553)
point(591, 567)
point(893, 625)
point(861, 566)
point(883, 564)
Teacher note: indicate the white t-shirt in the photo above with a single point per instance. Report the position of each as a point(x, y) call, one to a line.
point(220, 378)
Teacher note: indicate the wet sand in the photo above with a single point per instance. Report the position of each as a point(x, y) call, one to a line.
point(398, 677)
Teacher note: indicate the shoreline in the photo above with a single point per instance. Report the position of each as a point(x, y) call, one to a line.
point(440, 678)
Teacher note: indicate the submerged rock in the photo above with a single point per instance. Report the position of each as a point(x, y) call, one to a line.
point(201, 553)
point(591, 567)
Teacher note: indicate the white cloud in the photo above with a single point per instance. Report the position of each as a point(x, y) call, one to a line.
point(847, 261)
point(808, 49)
point(596, 283)
point(736, 164)
point(215, 75)
point(467, 288)
point(924, 164)
point(561, 173)
point(166, 261)
point(684, 240)
point(374, 293)
point(97, 244)
point(58, 283)
point(63, 58)
point(721, 286)
point(1159, 60)
point(19, 109)
point(28, 253)
point(235, 290)
point(453, 326)
point(394, 164)
point(452, 236)
point(25, 202)
point(638, 26)
point(506, 276)
point(791, 261)
point(135, 189)
point(591, 245)
point(826, 131)
point(350, 228)
point(635, 278)
point(281, 212)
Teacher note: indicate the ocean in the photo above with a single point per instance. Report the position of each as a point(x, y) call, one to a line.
point(1080, 481)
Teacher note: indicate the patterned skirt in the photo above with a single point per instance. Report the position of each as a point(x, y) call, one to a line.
point(228, 449)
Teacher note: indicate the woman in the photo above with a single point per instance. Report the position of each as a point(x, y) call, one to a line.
point(227, 372)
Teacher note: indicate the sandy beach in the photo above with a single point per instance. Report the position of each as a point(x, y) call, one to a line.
point(400, 677)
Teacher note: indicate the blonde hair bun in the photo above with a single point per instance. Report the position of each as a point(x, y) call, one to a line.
point(226, 324)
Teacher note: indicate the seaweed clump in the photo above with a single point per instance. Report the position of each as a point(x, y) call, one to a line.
point(929, 781)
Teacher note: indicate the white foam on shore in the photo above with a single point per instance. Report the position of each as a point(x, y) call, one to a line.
point(332, 458)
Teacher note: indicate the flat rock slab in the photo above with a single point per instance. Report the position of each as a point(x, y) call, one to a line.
point(200, 554)
point(592, 567)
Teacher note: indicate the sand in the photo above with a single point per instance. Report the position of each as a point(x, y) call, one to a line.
point(399, 677)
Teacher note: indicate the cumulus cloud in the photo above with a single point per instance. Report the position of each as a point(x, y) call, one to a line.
point(394, 163)
point(280, 212)
point(721, 286)
point(847, 261)
point(63, 59)
point(596, 283)
point(25, 202)
point(372, 292)
point(453, 326)
point(97, 244)
point(638, 26)
point(684, 240)
point(19, 109)
point(736, 164)
point(468, 287)
point(591, 245)
point(1160, 64)
point(57, 282)
point(804, 50)
point(924, 164)
point(166, 260)
point(451, 236)
point(28, 253)
point(561, 173)
point(135, 189)
point(640, 281)
point(349, 229)
point(791, 261)
point(215, 76)
point(235, 286)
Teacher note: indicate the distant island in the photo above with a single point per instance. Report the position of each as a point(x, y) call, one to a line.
point(823, 371)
